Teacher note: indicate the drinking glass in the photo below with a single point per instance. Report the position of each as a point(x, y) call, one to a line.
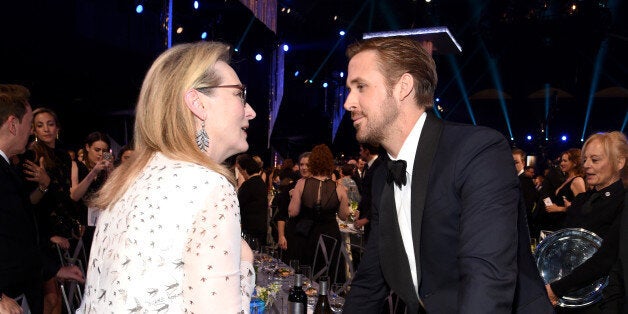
point(306, 270)
point(294, 264)
point(336, 297)
point(254, 242)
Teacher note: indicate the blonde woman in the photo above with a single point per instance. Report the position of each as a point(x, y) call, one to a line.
point(168, 237)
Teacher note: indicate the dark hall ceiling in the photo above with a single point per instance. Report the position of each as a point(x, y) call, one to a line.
point(87, 58)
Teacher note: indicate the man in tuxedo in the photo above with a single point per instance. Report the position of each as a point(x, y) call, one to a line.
point(21, 258)
point(448, 229)
point(368, 153)
point(253, 199)
point(528, 189)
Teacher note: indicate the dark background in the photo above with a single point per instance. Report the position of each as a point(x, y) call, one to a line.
point(86, 59)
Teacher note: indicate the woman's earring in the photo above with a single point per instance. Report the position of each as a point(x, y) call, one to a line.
point(202, 139)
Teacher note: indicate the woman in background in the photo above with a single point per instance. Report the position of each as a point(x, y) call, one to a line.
point(318, 198)
point(87, 177)
point(47, 167)
point(168, 236)
point(571, 165)
point(599, 210)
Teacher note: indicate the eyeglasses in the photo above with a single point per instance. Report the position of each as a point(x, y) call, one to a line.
point(241, 87)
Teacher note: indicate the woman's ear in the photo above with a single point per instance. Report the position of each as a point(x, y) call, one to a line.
point(193, 102)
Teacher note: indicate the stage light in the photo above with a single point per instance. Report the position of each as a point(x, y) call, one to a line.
point(296, 73)
point(180, 30)
point(563, 138)
point(196, 5)
point(325, 85)
point(258, 57)
point(335, 17)
point(428, 1)
point(139, 9)
point(529, 137)
point(341, 33)
point(342, 74)
point(204, 35)
point(236, 49)
point(286, 47)
point(437, 99)
point(288, 11)
point(310, 81)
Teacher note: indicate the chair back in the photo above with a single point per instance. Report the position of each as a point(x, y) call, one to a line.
point(325, 250)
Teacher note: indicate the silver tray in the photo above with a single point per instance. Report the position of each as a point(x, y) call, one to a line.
point(560, 253)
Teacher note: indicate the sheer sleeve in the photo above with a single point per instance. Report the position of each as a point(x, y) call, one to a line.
point(211, 257)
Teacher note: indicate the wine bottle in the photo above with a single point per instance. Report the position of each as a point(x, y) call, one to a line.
point(322, 305)
point(297, 299)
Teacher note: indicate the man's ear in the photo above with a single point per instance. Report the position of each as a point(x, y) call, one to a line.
point(406, 86)
point(12, 124)
point(193, 102)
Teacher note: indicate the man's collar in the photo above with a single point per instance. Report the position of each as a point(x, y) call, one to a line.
point(5, 157)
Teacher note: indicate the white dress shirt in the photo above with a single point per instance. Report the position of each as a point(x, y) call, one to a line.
point(403, 195)
point(4, 156)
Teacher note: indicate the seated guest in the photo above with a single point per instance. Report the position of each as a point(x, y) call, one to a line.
point(24, 264)
point(168, 235)
point(599, 211)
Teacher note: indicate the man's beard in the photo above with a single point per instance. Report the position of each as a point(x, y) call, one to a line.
point(373, 132)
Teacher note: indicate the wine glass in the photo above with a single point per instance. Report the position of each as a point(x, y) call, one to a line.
point(306, 270)
point(255, 244)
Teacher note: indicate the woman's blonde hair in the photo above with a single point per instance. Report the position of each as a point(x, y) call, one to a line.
point(163, 122)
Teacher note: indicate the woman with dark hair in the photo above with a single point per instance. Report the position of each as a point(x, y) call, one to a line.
point(571, 165)
point(47, 167)
point(88, 176)
point(315, 202)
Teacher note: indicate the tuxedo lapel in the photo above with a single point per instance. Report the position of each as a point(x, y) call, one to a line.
point(425, 153)
point(394, 261)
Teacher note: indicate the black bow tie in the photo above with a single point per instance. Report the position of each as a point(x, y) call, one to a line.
point(397, 172)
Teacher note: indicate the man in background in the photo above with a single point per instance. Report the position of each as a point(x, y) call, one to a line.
point(23, 265)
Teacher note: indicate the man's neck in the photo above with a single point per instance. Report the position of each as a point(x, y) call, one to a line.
point(400, 130)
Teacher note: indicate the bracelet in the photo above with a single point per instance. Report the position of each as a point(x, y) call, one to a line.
point(42, 190)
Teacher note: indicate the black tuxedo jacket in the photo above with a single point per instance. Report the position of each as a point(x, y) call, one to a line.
point(469, 231)
point(20, 259)
point(623, 252)
point(253, 199)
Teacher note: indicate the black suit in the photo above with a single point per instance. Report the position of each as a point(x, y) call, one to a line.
point(469, 231)
point(530, 197)
point(365, 205)
point(253, 198)
point(623, 251)
point(20, 258)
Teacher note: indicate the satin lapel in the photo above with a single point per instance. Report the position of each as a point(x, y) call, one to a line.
point(393, 258)
point(428, 144)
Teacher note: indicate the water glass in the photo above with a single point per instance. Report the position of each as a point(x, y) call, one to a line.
point(336, 297)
